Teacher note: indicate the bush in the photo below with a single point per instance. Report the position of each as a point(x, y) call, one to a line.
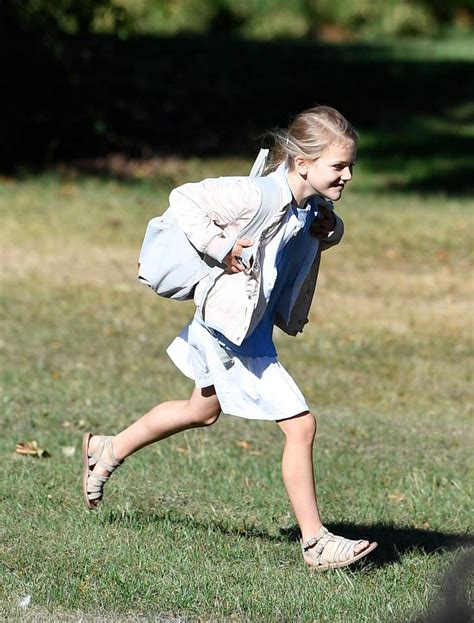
point(67, 16)
point(250, 18)
point(367, 18)
point(406, 20)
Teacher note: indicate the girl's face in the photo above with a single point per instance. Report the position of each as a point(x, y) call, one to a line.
point(328, 174)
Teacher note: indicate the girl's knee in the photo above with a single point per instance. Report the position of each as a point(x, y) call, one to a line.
point(203, 408)
point(309, 426)
point(204, 418)
point(301, 428)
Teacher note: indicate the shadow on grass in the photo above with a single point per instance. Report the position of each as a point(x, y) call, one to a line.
point(212, 96)
point(450, 605)
point(394, 542)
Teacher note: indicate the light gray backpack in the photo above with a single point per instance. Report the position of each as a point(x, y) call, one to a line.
point(172, 267)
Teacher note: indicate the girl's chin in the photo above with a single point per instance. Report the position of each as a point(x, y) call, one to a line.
point(334, 193)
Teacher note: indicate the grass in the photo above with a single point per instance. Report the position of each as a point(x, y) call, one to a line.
point(198, 527)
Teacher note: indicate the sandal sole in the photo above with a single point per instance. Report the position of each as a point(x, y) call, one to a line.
point(85, 469)
point(345, 563)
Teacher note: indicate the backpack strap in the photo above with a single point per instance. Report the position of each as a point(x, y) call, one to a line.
point(270, 204)
point(258, 166)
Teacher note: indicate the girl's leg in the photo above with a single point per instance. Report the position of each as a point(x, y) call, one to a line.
point(164, 420)
point(298, 475)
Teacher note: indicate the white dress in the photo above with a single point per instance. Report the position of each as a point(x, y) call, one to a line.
point(257, 388)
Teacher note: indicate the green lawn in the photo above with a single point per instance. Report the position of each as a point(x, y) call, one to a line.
point(199, 526)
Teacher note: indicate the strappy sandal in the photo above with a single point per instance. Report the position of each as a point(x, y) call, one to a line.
point(338, 551)
point(93, 484)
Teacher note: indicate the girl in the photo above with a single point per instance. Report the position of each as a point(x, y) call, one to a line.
point(228, 348)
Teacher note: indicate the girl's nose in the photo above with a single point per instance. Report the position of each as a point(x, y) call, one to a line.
point(346, 174)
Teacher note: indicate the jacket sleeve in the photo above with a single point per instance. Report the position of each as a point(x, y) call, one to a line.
point(335, 236)
point(204, 210)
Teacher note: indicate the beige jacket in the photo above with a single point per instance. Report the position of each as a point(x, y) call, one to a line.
point(212, 213)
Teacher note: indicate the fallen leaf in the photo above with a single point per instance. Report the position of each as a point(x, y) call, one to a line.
point(31, 448)
point(396, 497)
point(421, 526)
point(114, 222)
point(245, 445)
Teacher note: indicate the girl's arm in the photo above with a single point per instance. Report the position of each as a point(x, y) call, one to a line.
point(214, 211)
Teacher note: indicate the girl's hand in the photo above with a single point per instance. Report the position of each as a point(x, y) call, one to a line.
point(324, 224)
point(233, 260)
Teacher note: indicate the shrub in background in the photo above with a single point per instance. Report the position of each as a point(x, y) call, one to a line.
point(65, 16)
point(366, 18)
point(249, 18)
point(300, 18)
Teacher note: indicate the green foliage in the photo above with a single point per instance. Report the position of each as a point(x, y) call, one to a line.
point(369, 18)
point(251, 18)
point(65, 16)
point(445, 10)
point(279, 18)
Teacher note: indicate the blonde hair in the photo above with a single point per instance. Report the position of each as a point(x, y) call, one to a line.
point(309, 134)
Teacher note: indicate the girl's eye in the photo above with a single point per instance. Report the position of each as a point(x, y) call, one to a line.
point(341, 167)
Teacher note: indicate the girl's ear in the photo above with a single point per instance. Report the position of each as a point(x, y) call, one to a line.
point(301, 165)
